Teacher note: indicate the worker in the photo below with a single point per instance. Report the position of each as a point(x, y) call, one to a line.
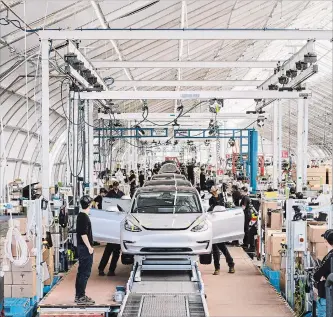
point(115, 192)
point(246, 206)
point(132, 183)
point(323, 272)
point(217, 200)
point(236, 195)
point(98, 200)
point(141, 179)
point(110, 248)
point(202, 180)
point(323, 199)
point(85, 252)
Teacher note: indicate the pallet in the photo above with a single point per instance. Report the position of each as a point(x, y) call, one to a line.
point(16, 306)
point(30, 312)
point(47, 288)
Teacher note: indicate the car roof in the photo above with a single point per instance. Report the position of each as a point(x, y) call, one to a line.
point(168, 176)
point(172, 181)
point(161, 188)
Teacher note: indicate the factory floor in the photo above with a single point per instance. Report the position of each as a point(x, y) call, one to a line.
point(243, 294)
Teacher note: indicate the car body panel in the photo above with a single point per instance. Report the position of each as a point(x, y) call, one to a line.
point(167, 176)
point(228, 225)
point(106, 225)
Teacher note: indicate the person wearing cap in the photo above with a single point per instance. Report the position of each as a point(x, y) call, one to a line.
point(115, 192)
point(323, 272)
point(218, 200)
point(98, 200)
point(85, 252)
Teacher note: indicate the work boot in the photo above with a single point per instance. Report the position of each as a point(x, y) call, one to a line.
point(85, 300)
point(216, 272)
point(101, 273)
point(232, 269)
point(111, 273)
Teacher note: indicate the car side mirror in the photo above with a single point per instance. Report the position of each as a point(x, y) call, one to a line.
point(120, 209)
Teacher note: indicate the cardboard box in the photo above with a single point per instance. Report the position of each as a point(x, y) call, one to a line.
point(275, 242)
point(274, 267)
point(269, 233)
point(8, 279)
point(272, 205)
point(24, 290)
point(318, 250)
point(24, 278)
point(315, 232)
point(8, 290)
point(29, 267)
point(48, 258)
point(274, 220)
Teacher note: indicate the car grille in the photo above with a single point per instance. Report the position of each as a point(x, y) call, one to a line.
point(166, 250)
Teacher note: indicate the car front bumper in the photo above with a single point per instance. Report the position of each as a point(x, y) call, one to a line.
point(166, 242)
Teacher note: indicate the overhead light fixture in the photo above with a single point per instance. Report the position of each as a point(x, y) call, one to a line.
point(310, 58)
point(283, 80)
point(261, 121)
point(273, 87)
point(231, 142)
point(301, 65)
point(291, 73)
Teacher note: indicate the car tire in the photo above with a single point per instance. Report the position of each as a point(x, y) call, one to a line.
point(127, 259)
point(205, 259)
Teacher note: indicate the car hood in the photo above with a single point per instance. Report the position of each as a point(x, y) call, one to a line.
point(166, 221)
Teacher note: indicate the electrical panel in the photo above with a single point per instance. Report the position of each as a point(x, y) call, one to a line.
point(300, 239)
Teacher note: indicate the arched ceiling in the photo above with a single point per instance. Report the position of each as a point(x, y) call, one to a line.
point(20, 95)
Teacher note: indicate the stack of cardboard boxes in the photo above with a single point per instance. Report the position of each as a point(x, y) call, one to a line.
point(21, 281)
point(317, 245)
point(275, 240)
point(319, 176)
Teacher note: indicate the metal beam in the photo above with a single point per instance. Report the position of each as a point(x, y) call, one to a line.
point(171, 95)
point(182, 64)
point(185, 83)
point(171, 116)
point(185, 34)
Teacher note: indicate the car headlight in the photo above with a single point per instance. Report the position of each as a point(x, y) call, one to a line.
point(129, 226)
point(202, 226)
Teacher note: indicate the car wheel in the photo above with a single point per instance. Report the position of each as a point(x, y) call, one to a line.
point(205, 259)
point(127, 259)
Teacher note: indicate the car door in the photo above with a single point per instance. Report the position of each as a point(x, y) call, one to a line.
point(106, 225)
point(228, 225)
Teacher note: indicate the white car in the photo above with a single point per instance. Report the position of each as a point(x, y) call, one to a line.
point(167, 220)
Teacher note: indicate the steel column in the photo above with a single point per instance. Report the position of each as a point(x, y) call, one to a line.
point(305, 139)
point(253, 158)
point(300, 152)
point(275, 145)
point(280, 115)
point(45, 119)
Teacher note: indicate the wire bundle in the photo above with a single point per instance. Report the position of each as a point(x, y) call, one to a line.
point(21, 246)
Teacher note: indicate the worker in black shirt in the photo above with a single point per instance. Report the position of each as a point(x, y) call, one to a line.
point(246, 206)
point(99, 199)
point(132, 182)
point(217, 200)
point(141, 179)
point(85, 252)
point(115, 192)
point(322, 273)
point(236, 195)
point(202, 180)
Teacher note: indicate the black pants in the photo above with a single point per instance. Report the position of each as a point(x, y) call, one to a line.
point(216, 255)
point(84, 270)
point(113, 249)
point(247, 220)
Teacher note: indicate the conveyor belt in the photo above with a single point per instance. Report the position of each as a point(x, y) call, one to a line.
point(164, 305)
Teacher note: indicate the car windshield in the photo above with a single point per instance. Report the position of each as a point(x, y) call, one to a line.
point(166, 202)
